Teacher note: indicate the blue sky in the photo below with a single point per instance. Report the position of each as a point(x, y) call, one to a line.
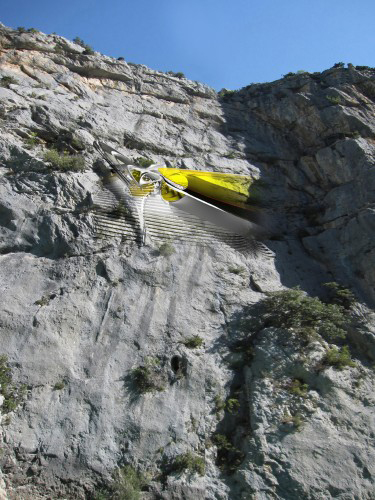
point(222, 43)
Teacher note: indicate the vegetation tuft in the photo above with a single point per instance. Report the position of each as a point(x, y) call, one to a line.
point(59, 386)
point(307, 316)
point(296, 421)
point(13, 395)
point(6, 81)
point(333, 99)
point(147, 378)
point(232, 155)
point(237, 270)
point(64, 161)
point(219, 403)
point(43, 301)
point(338, 358)
point(231, 405)
point(298, 388)
point(364, 68)
point(225, 94)
point(340, 295)
point(193, 342)
point(128, 484)
point(228, 456)
point(179, 74)
point(88, 49)
point(141, 161)
point(166, 249)
point(33, 140)
point(188, 462)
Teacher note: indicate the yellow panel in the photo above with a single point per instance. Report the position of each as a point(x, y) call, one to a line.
point(137, 190)
point(228, 188)
point(169, 194)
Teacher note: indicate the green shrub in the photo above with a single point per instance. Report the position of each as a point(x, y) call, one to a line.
point(179, 74)
point(13, 395)
point(228, 456)
point(298, 388)
point(289, 74)
point(226, 93)
point(338, 65)
point(237, 270)
point(33, 31)
point(88, 49)
point(6, 81)
point(193, 342)
point(232, 405)
point(340, 295)
point(101, 494)
point(219, 403)
point(232, 155)
point(21, 29)
point(166, 249)
point(307, 316)
point(296, 420)
point(189, 462)
point(147, 378)
point(59, 386)
point(43, 301)
point(59, 48)
point(338, 358)
point(64, 161)
point(32, 140)
point(334, 99)
point(222, 442)
point(128, 483)
point(141, 161)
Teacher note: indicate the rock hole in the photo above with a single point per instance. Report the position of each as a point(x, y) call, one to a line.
point(7, 218)
point(176, 364)
point(101, 270)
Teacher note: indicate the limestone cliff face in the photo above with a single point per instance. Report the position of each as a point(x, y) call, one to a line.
point(78, 314)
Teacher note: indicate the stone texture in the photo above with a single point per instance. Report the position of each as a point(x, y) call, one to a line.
point(78, 313)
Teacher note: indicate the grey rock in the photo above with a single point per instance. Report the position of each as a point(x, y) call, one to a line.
point(79, 313)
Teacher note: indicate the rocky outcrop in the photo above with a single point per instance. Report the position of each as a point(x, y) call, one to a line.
point(79, 314)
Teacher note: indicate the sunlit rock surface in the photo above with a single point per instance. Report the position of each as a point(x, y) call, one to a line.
point(79, 313)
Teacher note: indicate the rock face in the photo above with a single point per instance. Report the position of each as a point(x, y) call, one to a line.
point(79, 314)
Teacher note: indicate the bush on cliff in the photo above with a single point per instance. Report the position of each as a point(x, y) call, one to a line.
point(64, 161)
point(5, 81)
point(12, 394)
point(307, 316)
point(188, 462)
point(88, 49)
point(128, 483)
point(338, 358)
point(148, 377)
